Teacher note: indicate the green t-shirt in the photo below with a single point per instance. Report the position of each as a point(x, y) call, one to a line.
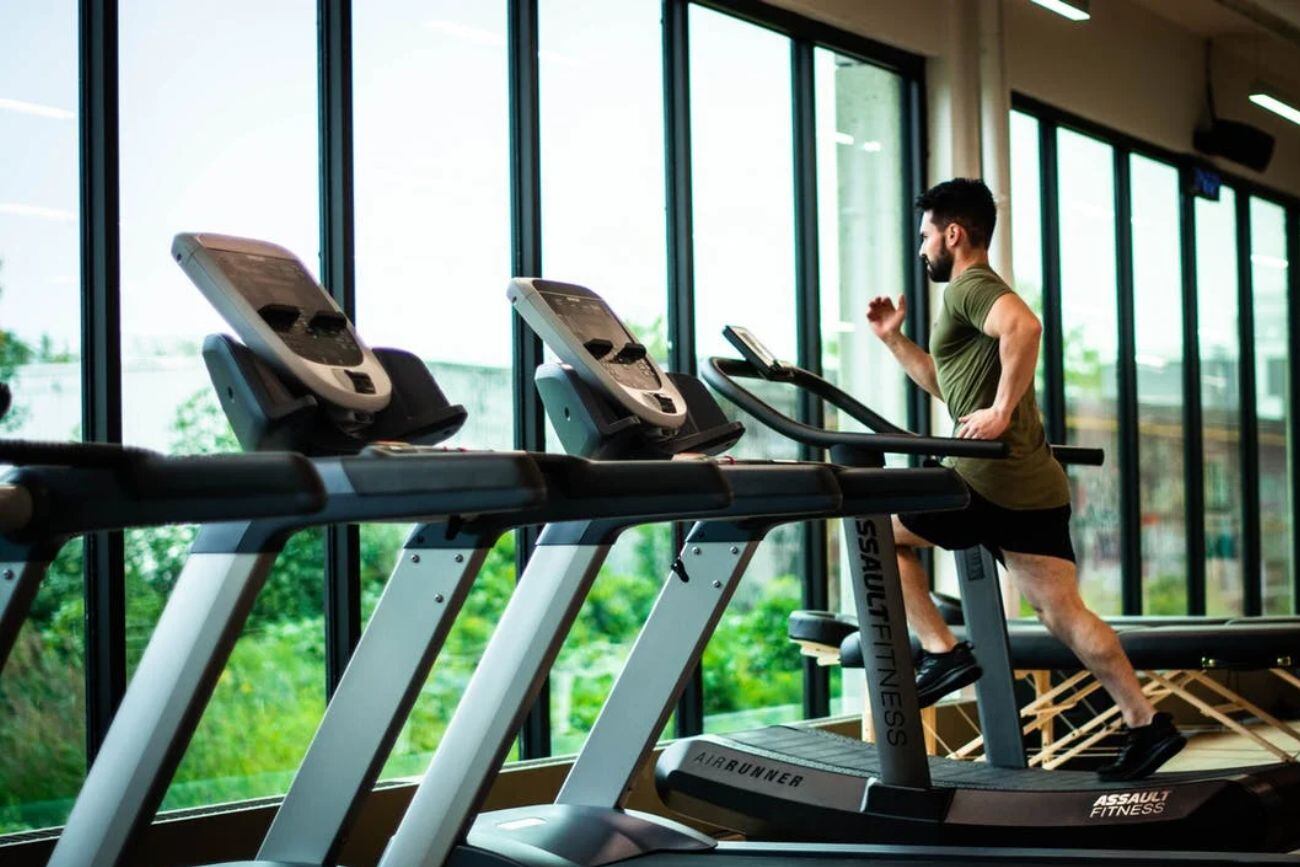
point(969, 367)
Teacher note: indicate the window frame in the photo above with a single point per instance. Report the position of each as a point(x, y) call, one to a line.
point(1050, 119)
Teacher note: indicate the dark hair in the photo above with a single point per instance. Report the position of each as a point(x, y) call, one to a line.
point(965, 201)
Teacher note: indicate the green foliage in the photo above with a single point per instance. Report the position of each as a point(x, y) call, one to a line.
point(14, 353)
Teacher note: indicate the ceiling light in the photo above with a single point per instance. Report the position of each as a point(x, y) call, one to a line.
point(1075, 10)
point(1266, 97)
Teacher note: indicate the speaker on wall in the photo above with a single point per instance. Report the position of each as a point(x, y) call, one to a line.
point(1239, 142)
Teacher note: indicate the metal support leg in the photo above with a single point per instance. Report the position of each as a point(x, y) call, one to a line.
point(986, 625)
point(19, 581)
point(162, 706)
point(679, 626)
point(887, 652)
point(508, 677)
point(373, 700)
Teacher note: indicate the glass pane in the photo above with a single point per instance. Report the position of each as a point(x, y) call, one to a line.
point(603, 227)
point(1216, 302)
point(861, 171)
point(1272, 405)
point(1157, 292)
point(1027, 221)
point(1090, 334)
point(42, 696)
point(234, 152)
point(744, 274)
point(433, 258)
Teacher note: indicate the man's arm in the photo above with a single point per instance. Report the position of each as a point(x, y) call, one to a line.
point(886, 321)
point(1018, 332)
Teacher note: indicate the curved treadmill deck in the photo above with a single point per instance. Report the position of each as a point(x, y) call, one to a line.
point(795, 783)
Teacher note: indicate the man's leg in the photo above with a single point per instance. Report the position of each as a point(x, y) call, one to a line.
point(923, 615)
point(1051, 586)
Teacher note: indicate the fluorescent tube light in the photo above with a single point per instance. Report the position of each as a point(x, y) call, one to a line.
point(1266, 97)
point(1075, 10)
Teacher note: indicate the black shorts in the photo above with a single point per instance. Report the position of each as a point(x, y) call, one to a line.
point(1022, 531)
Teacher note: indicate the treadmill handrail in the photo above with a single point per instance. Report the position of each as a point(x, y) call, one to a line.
point(76, 488)
point(720, 373)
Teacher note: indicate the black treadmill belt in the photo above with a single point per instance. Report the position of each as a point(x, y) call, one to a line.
point(834, 753)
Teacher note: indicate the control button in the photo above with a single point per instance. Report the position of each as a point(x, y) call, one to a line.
point(631, 352)
point(361, 382)
point(281, 317)
point(599, 347)
point(328, 322)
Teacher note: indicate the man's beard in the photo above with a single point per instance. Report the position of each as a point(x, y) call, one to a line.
point(939, 270)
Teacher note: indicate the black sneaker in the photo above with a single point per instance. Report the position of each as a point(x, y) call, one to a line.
point(938, 674)
point(1145, 749)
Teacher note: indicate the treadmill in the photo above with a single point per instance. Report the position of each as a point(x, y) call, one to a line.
point(889, 791)
point(587, 824)
point(303, 379)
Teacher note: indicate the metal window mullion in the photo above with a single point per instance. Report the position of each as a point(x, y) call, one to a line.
point(1252, 572)
point(1053, 331)
point(1193, 434)
point(101, 358)
point(807, 283)
point(1293, 393)
point(919, 404)
point(526, 260)
point(918, 287)
point(689, 718)
point(338, 272)
point(1129, 442)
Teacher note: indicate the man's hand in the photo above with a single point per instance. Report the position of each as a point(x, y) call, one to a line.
point(983, 424)
point(885, 319)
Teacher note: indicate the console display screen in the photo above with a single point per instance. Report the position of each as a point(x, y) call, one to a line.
point(267, 280)
point(761, 354)
point(589, 319)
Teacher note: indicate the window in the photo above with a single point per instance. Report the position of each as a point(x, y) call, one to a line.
point(603, 228)
point(432, 262)
point(1085, 177)
point(862, 174)
point(232, 152)
point(42, 692)
point(1157, 297)
point(1027, 223)
point(742, 165)
point(1268, 260)
point(1216, 300)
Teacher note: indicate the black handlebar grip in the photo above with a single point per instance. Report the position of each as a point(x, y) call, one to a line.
point(260, 483)
point(27, 453)
point(1079, 456)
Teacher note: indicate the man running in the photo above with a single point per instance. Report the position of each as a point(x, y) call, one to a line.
point(983, 352)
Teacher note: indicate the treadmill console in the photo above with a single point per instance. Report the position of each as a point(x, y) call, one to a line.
point(286, 317)
point(581, 328)
point(755, 352)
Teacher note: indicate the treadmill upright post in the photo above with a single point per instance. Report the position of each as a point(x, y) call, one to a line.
point(509, 675)
point(887, 652)
point(172, 684)
point(671, 642)
point(19, 581)
point(420, 602)
point(986, 625)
